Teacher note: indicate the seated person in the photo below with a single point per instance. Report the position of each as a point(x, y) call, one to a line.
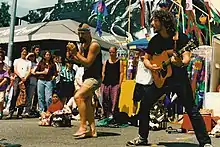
point(56, 103)
point(54, 106)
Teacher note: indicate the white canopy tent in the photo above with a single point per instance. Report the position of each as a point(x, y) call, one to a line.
point(65, 30)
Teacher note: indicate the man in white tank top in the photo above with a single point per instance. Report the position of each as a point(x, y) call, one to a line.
point(143, 80)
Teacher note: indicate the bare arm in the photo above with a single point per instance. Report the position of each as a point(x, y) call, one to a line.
point(94, 49)
point(147, 63)
point(28, 72)
point(186, 57)
point(178, 61)
point(103, 70)
point(3, 82)
point(37, 72)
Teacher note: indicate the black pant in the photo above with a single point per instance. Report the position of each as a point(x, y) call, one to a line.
point(185, 95)
point(35, 101)
point(67, 90)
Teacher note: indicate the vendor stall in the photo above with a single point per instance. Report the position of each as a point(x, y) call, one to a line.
point(55, 32)
point(213, 95)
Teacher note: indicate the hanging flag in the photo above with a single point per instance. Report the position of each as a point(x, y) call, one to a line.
point(101, 11)
point(216, 17)
point(142, 14)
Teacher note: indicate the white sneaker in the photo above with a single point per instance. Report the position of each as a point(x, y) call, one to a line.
point(208, 145)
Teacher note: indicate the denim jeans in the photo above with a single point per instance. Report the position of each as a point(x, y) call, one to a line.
point(185, 95)
point(44, 91)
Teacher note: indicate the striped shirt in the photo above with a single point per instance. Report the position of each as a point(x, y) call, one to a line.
point(67, 75)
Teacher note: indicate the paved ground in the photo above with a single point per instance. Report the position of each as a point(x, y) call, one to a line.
point(27, 133)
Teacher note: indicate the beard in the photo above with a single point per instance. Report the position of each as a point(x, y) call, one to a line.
point(82, 40)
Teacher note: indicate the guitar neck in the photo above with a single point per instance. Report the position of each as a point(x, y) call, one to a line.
point(166, 63)
point(189, 46)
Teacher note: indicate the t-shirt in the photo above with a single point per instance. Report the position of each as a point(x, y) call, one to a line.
point(3, 74)
point(78, 77)
point(67, 75)
point(22, 66)
point(155, 48)
point(33, 78)
point(54, 107)
point(52, 71)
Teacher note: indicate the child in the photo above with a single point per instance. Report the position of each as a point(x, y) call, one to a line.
point(54, 106)
point(9, 92)
point(67, 75)
point(3, 81)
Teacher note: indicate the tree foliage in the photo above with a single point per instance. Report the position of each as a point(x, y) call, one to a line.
point(4, 15)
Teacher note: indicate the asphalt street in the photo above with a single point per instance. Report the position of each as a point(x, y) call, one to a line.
point(27, 133)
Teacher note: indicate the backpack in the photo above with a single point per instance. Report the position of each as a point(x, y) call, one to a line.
point(121, 118)
point(61, 119)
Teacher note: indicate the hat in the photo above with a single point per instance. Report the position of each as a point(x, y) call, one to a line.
point(29, 54)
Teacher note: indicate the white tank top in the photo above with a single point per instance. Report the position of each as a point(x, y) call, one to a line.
point(143, 75)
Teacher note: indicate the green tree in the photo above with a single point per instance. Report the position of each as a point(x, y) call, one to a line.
point(4, 15)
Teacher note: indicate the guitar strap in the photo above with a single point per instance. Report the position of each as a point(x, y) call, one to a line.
point(175, 38)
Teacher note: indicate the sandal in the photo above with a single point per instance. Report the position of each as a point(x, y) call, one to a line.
point(86, 135)
point(77, 135)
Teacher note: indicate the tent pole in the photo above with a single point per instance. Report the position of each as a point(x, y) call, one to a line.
point(11, 37)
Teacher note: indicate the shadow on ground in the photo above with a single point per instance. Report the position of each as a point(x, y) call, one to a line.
point(104, 134)
point(177, 144)
point(4, 143)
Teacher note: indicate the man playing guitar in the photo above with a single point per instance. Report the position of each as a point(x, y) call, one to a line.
point(164, 25)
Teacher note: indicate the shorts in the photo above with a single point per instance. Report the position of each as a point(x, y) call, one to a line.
point(92, 84)
point(2, 96)
point(139, 92)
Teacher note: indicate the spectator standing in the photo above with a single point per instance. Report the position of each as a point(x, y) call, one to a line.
point(36, 51)
point(111, 84)
point(58, 67)
point(46, 72)
point(3, 82)
point(22, 69)
point(32, 84)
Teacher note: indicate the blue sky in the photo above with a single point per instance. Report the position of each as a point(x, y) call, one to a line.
point(25, 5)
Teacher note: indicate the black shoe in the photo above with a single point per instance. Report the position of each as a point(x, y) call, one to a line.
point(137, 142)
point(19, 117)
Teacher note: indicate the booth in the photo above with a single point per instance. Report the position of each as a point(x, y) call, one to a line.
point(212, 97)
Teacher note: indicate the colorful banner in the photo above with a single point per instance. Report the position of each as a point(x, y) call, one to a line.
point(101, 11)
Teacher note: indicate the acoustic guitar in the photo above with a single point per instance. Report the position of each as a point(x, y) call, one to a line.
point(163, 60)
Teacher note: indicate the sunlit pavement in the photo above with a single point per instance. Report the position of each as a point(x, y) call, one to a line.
point(27, 133)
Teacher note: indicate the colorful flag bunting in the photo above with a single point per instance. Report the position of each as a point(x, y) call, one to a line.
point(101, 11)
